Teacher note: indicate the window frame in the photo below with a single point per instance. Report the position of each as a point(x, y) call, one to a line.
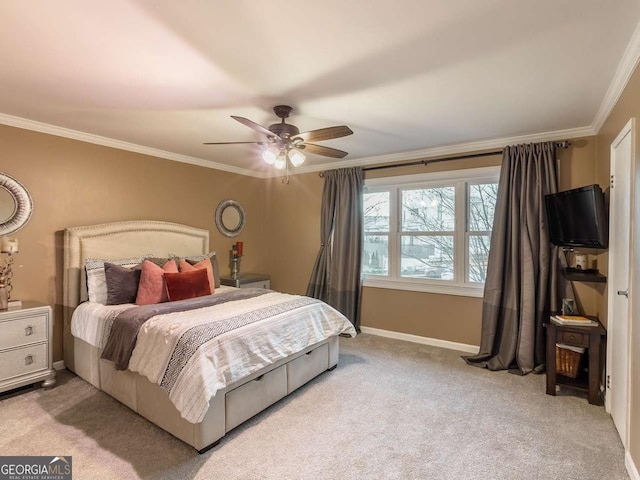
point(460, 179)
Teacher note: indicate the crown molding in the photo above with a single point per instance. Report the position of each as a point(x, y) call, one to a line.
point(445, 150)
point(440, 151)
point(432, 152)
point(625, 69)
point(119, 144)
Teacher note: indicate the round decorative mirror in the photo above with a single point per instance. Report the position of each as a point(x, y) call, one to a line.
point(230, 218)
point(15, 205)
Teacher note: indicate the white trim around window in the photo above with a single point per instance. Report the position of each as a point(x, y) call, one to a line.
point(458, 178)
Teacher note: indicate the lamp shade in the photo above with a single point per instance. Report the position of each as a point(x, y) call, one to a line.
point(270, 155)
point(9, 245)
point(297, 157)
point(280, 162)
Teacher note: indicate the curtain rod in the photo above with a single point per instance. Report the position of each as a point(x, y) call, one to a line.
point(425, 162)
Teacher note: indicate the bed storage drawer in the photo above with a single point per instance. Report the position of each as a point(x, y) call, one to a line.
point(307, 366)
point(254, 396)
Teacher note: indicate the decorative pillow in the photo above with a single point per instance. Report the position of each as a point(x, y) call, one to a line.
point(185, 266)
point(96, 281)
point(122, 283)
point(152, 287)
point(181, 286)
point(211, 256)
point(158, 261)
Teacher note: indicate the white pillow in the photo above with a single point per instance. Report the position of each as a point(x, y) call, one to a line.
point(97, 280)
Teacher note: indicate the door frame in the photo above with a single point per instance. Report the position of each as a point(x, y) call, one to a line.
point(628, 129)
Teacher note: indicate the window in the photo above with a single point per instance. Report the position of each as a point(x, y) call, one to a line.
point(376, 237)
point(429, 232)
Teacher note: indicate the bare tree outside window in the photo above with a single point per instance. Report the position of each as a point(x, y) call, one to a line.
point(436, 232)
point(428, 227)
point(377, 209)
point(481, 206)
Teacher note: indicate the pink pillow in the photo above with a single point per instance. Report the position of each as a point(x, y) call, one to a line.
point(205, 264)
point(181, 286)
point(152, 287)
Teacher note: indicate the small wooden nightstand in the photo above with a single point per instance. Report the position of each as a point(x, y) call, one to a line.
point(25, 346)
point(247, 280)
point(591, 338)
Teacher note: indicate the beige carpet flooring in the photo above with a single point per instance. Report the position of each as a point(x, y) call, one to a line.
point(391, 410)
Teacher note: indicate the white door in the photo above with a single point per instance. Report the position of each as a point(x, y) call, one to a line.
point(618, 320)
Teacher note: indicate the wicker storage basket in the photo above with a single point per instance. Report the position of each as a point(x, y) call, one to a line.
point(567, 362)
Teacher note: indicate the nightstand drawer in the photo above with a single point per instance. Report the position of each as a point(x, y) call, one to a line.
point(23, 331)
point(247, 280)
point(575, 339)
point(24, 360)
point(263, 284)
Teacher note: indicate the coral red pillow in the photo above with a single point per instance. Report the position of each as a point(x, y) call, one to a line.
point(185, 266)
point(181, 286)
point(152, 287)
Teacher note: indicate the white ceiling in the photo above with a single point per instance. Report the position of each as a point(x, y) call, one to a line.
point(406, 75)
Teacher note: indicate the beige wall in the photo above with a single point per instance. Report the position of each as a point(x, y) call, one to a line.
point(627, 106)
point(577, 168)
point(292, 236)
point(292, 230)
point(446, 317)
point(74, 183)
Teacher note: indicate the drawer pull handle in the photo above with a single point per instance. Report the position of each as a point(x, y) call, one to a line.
point(309, 353)
point(28, 360)
point(259, 378)
point(28, 330)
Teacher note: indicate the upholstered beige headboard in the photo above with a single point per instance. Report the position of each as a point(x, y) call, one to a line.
point(112, 241)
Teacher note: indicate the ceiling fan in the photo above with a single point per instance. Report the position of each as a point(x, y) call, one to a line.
point(284, 140)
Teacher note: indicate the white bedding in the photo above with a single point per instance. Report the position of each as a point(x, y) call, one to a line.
point(286, 324)
point(90, 319)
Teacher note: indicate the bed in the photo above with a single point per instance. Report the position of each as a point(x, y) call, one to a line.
point(236, 390)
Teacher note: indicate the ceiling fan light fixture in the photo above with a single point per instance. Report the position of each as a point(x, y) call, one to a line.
point(270, 155)
point(297, 157)
point(280, 162)
point(285, 142)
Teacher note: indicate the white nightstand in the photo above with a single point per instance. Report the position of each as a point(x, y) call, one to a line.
point(25, 346)
point(247, 280)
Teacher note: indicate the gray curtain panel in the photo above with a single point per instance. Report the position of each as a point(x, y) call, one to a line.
point(319, 283)
point(336, 274)
point(522, 263)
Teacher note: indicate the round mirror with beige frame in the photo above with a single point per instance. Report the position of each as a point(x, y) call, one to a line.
point(230, 218)
point(16, 205)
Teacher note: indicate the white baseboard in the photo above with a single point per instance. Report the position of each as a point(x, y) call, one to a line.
point(434, 342)
point(631, 467)
point(59, 365)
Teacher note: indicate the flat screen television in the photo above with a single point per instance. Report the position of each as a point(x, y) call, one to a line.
point(578, 218)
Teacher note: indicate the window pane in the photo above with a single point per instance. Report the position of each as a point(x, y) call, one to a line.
point(375, 257)
point(482, 203)
point(376, 212)
point(427, 257)
point(478, 257)
point(428, 210)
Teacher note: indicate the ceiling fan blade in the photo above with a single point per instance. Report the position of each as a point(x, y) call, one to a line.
point(255, 126)
point(324, 151)
point(325, 133)
point(233, 143)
